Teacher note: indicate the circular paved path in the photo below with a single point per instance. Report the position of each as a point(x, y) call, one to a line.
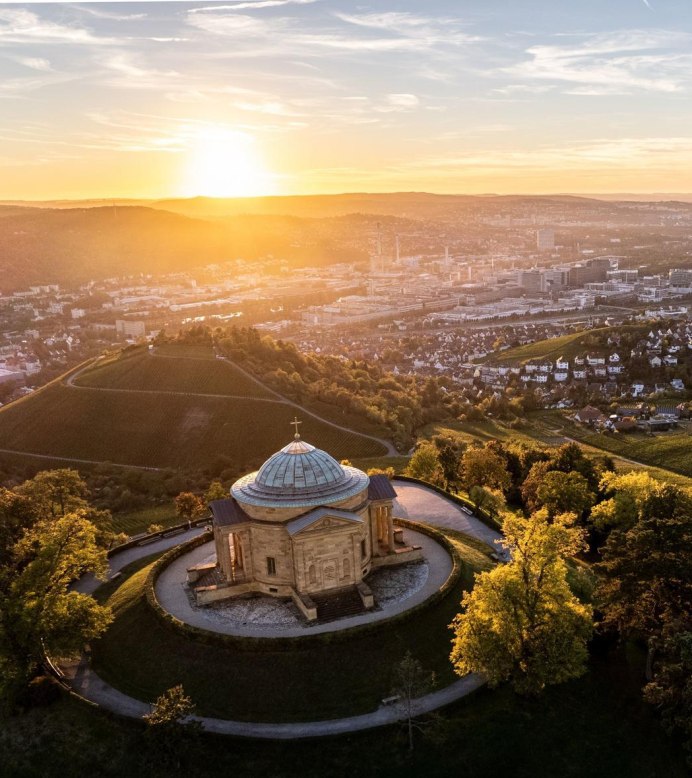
point(418, 503)
point(415, 502)
point(173, 596)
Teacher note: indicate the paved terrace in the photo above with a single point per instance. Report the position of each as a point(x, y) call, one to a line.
point(173, 596)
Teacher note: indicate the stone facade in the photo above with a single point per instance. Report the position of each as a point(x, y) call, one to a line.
point(302, 525)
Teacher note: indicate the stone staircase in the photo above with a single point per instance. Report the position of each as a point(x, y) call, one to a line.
point(345, 602)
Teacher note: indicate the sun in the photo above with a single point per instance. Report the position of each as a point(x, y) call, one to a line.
point(225, 163)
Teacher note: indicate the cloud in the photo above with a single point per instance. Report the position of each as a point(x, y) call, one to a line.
point(35, 63)
point(613, 63)
point(403, 100)
point(17, 25)
point(244, 5)
point(385, 33)
point(116, 17)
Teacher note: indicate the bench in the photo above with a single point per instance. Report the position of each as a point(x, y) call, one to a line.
point(391, 700)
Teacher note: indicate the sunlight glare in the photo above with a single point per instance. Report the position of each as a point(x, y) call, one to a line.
point(226, 163)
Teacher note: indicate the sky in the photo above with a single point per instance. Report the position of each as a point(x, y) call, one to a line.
point(257, 97)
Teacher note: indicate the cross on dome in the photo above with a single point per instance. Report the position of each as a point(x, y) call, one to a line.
point(295, 424)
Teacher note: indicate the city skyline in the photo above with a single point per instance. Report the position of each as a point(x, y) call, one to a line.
point(263, 97)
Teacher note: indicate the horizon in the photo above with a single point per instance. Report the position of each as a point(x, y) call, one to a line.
point(154, 198)
point(310, 97)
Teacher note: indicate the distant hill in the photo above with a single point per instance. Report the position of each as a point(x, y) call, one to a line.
point(404, 204)
point(76, 245)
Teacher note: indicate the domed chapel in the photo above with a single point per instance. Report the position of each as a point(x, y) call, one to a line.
point(301, 527)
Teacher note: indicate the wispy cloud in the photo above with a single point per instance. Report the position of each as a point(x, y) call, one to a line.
point(613, 63)
point(35, 63)
point(385, 33)
point(18, 25)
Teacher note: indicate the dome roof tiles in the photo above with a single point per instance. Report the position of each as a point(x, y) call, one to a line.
point(299, 475)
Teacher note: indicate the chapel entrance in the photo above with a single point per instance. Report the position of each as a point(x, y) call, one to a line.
point(237, 557)
point(329, 569)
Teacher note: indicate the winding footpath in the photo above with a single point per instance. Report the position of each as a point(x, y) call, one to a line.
point(413, 501)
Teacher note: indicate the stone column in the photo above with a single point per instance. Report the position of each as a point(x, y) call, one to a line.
point(374, 531)
point(390, 527)
point(223, 553)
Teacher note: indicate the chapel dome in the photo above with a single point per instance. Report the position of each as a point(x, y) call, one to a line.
point(299, 475)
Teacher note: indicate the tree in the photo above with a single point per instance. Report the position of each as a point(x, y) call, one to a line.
point(55, 492)
point(646, 572)
point(216, 491)
point(521, 623)
point(626, 493)
point(37, 611)
point(449, 458)
point(482, 467)
point(189, 506)
point(424, 464)
point(491, 501)
point(670, 689)
point(410, 683)
point(17, 514)
point(564, 493)
point(646, 590)
point(170, 726)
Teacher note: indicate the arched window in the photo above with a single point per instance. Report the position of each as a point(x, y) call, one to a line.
point(347, 568)
point(312, 574)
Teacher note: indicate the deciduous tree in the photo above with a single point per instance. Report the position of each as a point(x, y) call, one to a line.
point(564, 493)
point(55, 492)
point(424, 464)
point(37, 611)
point(521, 623)
point(216, 491)
point(189, 506)
point(411, 682)
point(482, 467)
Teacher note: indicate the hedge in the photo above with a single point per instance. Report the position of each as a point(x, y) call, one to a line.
point(268, 643)
point(479, 513)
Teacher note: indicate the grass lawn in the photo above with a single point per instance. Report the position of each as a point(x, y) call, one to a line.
point(594, 727)
point(143, 657)
point(670, 450)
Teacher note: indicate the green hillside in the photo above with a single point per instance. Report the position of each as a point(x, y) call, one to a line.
point(567, 346)
point(166, 413)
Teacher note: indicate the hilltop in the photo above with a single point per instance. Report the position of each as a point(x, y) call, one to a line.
point(189, 412)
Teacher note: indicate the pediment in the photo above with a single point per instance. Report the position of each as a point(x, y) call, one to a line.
point(321, 520)
point(328, 522)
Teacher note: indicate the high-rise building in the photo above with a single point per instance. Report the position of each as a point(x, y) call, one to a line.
point(680, 277)
point(545, 239)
